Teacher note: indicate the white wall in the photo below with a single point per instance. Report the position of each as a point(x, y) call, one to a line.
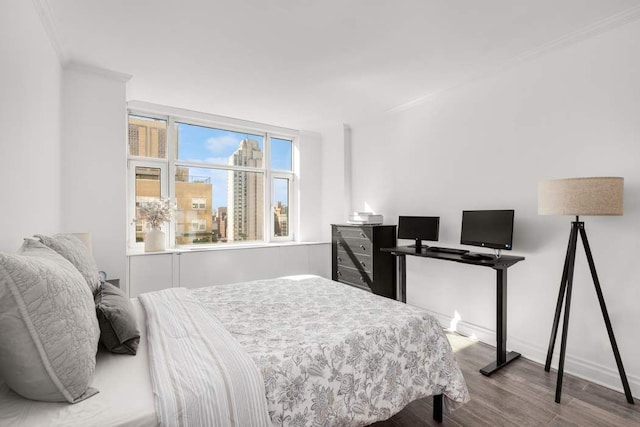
point(569, 113)
point(94, 167)
point(336, 177)
point(30, 86)
point(310, 186)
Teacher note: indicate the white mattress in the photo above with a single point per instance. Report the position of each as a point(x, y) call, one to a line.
point(125, 398)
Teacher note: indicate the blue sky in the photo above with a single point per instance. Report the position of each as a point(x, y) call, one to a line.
point(202, 144)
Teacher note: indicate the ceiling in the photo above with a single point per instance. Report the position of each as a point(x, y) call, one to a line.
point(309, 63)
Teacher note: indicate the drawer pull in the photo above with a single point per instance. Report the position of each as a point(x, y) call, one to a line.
point(363, 235)
point(340, 259)
point(363, 263)
point(340, 244)
point(363, 247)
point(363, 280)
point(339, 273)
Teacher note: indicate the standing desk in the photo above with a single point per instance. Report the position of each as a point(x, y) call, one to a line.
point(500, 265)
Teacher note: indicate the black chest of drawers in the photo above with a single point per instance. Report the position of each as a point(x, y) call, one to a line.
point(357, 260)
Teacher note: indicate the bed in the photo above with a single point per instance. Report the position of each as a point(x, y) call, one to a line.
point(324, 354)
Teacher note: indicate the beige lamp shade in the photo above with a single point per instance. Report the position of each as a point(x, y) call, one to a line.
point(581, 196)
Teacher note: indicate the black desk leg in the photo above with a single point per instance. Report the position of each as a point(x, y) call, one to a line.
point(502, 357)
point(402, 265)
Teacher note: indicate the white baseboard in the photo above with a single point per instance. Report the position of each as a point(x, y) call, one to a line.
point(582, 368)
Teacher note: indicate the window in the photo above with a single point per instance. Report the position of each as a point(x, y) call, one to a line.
point(147, 137)
point(281, 154)
point(281, 207)
point(198, 225)
point(199, 203)
point(148, 187)
point(224, 179)
point(231, 175)
point(217, 146)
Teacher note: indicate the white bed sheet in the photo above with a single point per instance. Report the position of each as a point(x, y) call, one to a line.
point(125, 398)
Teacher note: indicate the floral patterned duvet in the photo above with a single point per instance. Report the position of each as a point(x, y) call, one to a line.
point(333, 355)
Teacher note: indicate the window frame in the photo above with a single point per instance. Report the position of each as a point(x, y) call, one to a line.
point(283, 174)
point(198, 205)
point(132, 164)
point(169, 166)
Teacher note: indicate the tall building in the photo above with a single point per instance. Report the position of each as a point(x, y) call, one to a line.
point(220, 224)
point(147, 137)
point(281, 220)
point(245, 210)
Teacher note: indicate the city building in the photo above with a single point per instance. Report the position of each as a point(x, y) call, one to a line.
point(147, 138)
point(219, 232)
point(246, 194)
point(280, 220)
point(193, 219)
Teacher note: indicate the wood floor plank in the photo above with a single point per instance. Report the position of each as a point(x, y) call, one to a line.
point(522, 394)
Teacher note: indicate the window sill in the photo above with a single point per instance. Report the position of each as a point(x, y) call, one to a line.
point(226, 247)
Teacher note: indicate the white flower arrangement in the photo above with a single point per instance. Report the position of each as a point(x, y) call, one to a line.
point(155, 213)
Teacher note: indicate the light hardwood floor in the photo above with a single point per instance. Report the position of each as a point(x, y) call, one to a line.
point(521, 394)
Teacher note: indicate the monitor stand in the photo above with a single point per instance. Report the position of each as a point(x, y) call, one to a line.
point(418, 245)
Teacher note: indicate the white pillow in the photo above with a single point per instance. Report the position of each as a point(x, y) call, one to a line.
point(77, 253)
point(48, 327)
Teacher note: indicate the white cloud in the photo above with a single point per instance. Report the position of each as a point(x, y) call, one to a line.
point(222, 146)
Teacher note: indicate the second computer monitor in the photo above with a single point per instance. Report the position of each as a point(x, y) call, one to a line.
point(419, 228)
point(488, 228)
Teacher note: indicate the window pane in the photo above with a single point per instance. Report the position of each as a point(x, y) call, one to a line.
point(281, 207)
point(147, 190)
point(147, 137)
point(194, 190)
point(281, 154)
point(220, 147)
point(230, 206)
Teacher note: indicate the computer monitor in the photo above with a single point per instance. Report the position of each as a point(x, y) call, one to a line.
point(419, 228)
point(488, 228)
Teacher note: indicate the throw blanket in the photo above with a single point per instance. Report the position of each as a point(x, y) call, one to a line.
point(200, 375)
point(331, 354)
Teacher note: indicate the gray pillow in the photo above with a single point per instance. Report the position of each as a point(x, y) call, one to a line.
point(117, 319)
point(77, 253)
point(48, 327)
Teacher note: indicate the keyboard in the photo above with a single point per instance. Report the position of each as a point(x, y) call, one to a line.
point(447, 250)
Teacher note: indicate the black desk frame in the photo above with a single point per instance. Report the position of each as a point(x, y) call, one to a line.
point(500, 265)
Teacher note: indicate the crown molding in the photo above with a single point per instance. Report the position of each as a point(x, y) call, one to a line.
point(589, 31)
point(92, 69)
point(602, 26)
point(49, 23)
point(47, 18)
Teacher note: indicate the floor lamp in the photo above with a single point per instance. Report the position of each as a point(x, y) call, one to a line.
point(580, 196)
